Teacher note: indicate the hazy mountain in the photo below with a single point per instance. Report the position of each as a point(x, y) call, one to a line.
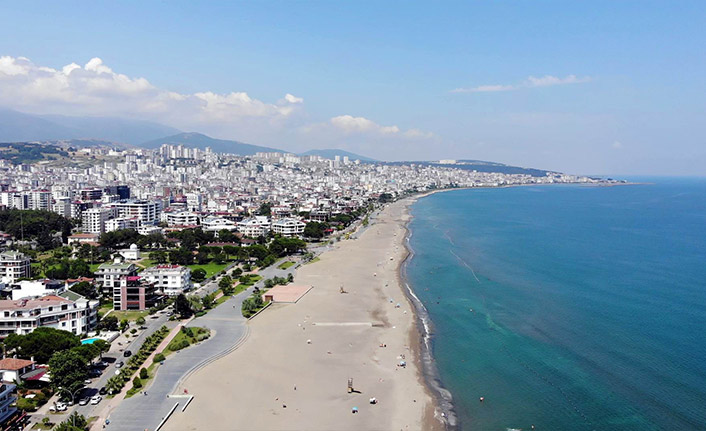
point(20, 127)
point(332, 153)
point(198, 140)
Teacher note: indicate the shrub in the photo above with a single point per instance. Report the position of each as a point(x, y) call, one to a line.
point(26, 405)
point(159, 357)
point(144, 374)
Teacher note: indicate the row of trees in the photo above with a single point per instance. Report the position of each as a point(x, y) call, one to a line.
point(117, 382)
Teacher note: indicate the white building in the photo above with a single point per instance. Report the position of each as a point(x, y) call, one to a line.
point(172, 280)
point(288, 227)
point(132, 253)
point(193, 201)
point(93, 219)
point(25, 315)
point(13, 266)
point(180, 218)
point(40, 200)
point(147, 212)
point(34, 289)
point(109, 274)
point(215, 224)
point(121, 223)
point(254, 227)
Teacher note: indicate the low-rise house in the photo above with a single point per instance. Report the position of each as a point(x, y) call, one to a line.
point(12, 369)
point(172, 280)
point(13, 266)
point(288, 227)
point(25, 315)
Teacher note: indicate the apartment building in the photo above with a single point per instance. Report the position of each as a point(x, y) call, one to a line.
point(13, 266)
point(171, 280)
point(25, 315)
point(288, 227)
point(135, 293)
point(109, 275)
point(254, 227)
point(93, 220)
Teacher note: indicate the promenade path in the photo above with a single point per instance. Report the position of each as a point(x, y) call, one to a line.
point(146, 412)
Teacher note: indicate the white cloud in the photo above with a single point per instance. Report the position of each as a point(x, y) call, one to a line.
point(350, 125)
point(530, 82)
point(95, 89)
point(293, 99)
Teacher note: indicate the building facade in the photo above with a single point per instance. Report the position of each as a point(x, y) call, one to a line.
point(288, 227)
point(109, 274)
point(171, 280)
point(25, 315)
point(135, 293)
point(13, 266)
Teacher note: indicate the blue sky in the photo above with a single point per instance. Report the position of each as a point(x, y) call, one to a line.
point(598, 87)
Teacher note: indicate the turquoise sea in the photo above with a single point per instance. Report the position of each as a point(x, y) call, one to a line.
point(567, 307)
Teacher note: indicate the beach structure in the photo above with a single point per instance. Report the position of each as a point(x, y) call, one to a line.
point(285, 294)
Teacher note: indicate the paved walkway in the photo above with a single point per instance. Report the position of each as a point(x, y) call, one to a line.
point(228, 328)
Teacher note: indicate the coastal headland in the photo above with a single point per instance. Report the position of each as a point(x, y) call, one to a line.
point(293, 371)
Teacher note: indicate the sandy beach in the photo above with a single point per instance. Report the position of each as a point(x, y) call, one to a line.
point(278, 380)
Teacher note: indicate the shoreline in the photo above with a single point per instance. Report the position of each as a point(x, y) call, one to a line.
point(444, 411)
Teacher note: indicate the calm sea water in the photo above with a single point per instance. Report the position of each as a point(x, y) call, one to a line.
point(589, 304)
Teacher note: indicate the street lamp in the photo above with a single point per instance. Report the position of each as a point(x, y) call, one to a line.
point(73, 401)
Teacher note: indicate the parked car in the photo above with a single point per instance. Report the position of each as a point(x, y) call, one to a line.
point(127, 353)
point(96, 399)
point(58, 407)
point(119, 364)
point(87, 382)
point(103, 391)
point(83, 401)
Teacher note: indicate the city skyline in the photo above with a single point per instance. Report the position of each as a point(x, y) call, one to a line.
point(574, 88)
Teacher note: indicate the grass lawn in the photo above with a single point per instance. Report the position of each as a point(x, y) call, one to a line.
point(182, 340)
point(286, 264)
point(129, 315)
point(314, 260)
point(94, 266)
point(41, 426)
point(211, 268)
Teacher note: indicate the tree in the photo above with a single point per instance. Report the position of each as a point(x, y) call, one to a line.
point(124, 324)
point(265, 209)
point(182, 306)
point(159, 256)
point(207, 301)
point(136, 382)
point(198, 275)
point(290, 278)
point(140, 321)
point(225, 281)
point(143, 373)
point(314, 229)
point(108, 323)
point(88, 352)
point(102, 346)
point(68, 370)
point(237, 272)
point(230, 250)
point(41, 343)
point(195, 303)
point(85, 289)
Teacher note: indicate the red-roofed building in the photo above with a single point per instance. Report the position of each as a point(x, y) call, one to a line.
point(11, 369)
point(25, 315)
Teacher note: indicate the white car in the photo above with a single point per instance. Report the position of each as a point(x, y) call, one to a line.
point(58, 407)
point(83, 401)
point(96, 399)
